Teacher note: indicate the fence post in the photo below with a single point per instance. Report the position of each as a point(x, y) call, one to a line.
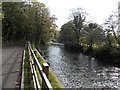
point(46, 71)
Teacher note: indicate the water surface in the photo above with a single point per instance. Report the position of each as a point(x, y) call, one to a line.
point(76, 70)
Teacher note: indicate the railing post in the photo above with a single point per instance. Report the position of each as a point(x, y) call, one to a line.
point(46, 71)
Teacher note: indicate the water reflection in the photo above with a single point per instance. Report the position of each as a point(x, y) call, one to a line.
point(76, 70)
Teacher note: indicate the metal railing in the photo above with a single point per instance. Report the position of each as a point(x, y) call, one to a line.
point(46, 85)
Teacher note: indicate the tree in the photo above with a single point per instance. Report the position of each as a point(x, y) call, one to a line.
point(12, 21)
point(94, 35)
point(111, 25)
point(42, 23)
point(78, 17)
point(67, 34)
point(31, 20)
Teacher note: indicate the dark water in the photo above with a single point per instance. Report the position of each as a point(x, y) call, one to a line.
point(76, 70)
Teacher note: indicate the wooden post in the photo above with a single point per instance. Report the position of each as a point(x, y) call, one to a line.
point(46, 71)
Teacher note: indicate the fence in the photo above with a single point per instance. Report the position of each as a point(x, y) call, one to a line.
point(46, 85)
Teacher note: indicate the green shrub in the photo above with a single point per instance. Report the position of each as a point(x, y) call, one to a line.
point(107, 54)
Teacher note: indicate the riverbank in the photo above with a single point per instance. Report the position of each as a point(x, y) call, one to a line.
point(107, 55)
point(28, 83)
point(55, 82)
point(104, 54)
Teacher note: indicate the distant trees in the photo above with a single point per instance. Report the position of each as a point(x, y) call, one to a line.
point(71, 31)
point(101, 42)
point(30, 21)
point(77, 33)
point(78, 17)
point(111, 26)
point(94, 36)
point(90, 36)
point(54, 36)
point(67, 34)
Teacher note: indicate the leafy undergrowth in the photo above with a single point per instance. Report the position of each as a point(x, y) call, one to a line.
point(107, 54)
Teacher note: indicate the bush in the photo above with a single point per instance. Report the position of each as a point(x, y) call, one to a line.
point(107, 54)
point(101, 52)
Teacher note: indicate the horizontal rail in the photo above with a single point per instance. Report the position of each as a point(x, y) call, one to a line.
point(22, 77)
point(34, 74)
point(43, 75)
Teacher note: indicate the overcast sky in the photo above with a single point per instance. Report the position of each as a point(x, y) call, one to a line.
point(98, 10)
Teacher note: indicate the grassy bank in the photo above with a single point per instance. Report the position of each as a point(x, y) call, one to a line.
point(56, 84)
point(28, 82)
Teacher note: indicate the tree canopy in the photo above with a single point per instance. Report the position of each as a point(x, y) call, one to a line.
point(27, 21)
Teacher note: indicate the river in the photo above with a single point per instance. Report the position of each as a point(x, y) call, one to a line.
point(76, 70)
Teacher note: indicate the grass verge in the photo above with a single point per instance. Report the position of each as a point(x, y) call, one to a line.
point(56, 84)
point(28, 82)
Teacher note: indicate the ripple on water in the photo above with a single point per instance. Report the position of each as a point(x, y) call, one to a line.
point(76, 70)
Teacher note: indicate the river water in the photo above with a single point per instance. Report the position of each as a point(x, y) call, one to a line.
point(76, 70)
